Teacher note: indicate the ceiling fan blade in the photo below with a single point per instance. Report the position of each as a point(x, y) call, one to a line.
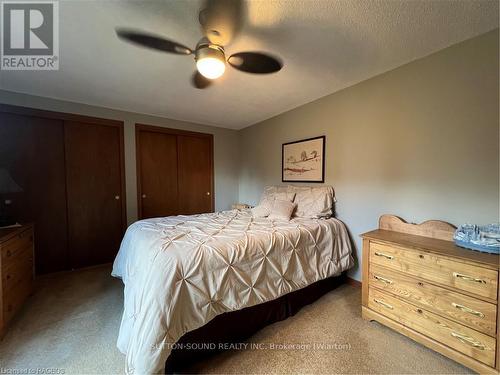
point(221, 20)
point(200, 82)
point(255, 62)
point(151, 41)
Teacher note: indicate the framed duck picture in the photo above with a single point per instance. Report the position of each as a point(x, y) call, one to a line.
point(304, 160)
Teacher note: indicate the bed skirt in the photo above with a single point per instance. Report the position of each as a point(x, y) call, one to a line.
point(236, 326)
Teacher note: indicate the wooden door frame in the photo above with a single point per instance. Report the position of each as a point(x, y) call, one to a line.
point(63, 116)
point(159, 129)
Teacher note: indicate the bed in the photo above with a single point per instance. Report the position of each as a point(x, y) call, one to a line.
point(181, 272)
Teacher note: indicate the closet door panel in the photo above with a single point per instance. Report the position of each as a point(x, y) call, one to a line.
point(157, 174)
point(93, 178)
point(195, 174)
point(32, 150)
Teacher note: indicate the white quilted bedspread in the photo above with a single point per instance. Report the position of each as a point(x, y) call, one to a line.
point(181, 271)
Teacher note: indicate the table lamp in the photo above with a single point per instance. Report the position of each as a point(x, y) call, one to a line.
point(7, 186)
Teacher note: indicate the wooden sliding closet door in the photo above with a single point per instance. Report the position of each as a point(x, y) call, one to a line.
point(174, 172)
point(94, 189)
point(32, 151)
point(157, 171)
point(195, 174)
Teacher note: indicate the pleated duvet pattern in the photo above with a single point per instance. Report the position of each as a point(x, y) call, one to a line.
point(182, 271)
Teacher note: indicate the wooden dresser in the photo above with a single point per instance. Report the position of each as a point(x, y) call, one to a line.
point(419, 283)
point(16, 271)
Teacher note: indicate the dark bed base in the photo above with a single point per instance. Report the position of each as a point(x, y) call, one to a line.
point(236, 326)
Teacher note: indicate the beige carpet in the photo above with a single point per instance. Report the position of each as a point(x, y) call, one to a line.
point(72, 322)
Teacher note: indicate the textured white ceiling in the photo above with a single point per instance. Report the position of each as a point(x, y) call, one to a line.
point(326, 45)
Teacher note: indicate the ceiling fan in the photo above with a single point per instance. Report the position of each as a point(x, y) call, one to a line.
point(220, 21)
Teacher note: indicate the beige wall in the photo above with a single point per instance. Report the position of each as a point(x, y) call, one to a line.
point(420, 141)
point(225, 144)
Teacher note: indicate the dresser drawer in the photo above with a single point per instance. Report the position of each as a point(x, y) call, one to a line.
point(463, 339)
point(17, 244)
point(472, 312)
point(467, 277)
point(19, 271)
point(14, 299)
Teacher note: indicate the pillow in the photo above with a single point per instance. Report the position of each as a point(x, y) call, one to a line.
point(261, 211)
point(284, 196)
point(282, 210)
point(278, 192)
point(314, 202)
point(264, 208)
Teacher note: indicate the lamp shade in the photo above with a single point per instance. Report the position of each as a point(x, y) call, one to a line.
point(7, 183)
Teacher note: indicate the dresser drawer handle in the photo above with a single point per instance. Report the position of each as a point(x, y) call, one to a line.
point(383, 279)
point(384, 255)
point(386, 305)
point(468, 340)
point(8, 253)
point(7, 277)
point(468, 278)
point(467, 310)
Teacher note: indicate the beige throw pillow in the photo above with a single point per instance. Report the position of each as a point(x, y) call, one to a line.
point(282, 210)
point(267, 202)
point(261, 211)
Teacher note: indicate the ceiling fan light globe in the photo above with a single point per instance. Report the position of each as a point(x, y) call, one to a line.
point(210, 60)
point(211, 67)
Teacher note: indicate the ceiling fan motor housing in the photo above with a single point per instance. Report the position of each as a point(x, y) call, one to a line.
point(208, 50)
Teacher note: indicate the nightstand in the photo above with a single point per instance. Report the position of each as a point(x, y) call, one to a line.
point(16, 271)
point(240, 206)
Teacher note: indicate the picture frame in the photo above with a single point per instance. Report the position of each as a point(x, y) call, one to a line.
point(303, 160)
